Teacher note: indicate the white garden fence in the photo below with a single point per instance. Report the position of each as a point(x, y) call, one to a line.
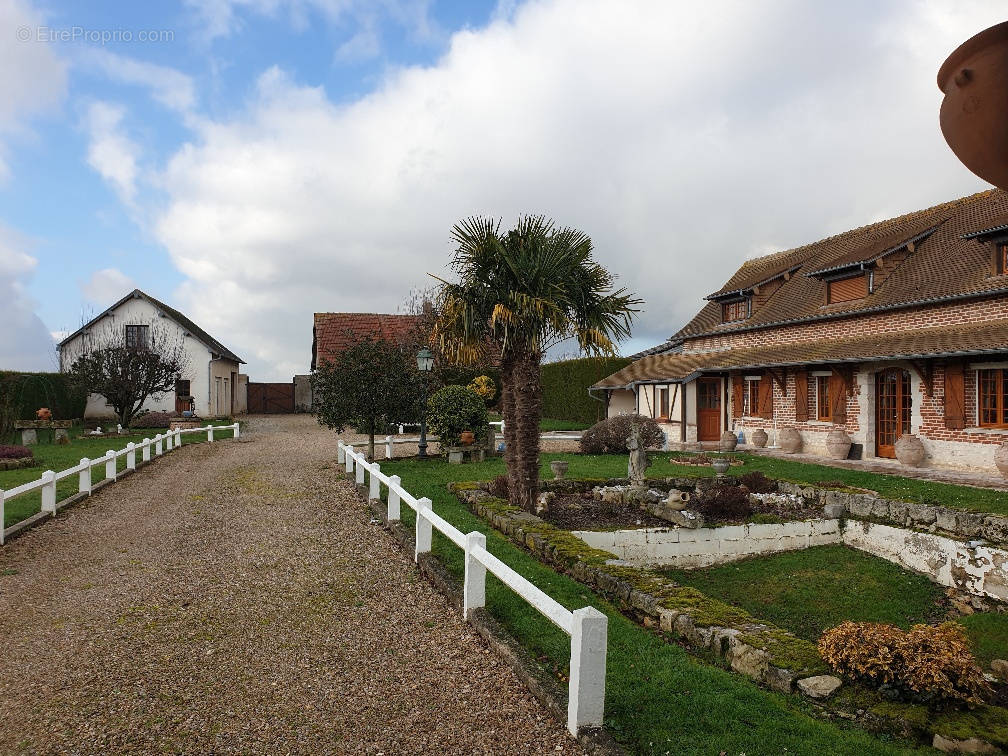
point(587, 627)
point(159, 445)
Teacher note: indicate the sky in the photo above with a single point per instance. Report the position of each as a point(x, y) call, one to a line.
point(252, 162)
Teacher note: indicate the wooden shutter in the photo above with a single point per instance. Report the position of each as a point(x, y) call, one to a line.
point(766, 396)
point(801, 396)
point(838, 398)
point(955, 396)
point(848, 289)
point(738, 384)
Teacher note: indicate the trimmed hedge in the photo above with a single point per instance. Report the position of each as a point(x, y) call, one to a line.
point(21, 394)
point(565, 387)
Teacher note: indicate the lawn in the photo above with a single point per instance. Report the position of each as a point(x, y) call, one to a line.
point(549, 424)
point(56, 457)
point(659, 699)
point(989, 633)
point(812, 590)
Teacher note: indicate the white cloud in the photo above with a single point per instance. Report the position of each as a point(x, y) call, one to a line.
point(33, 80)
point(680, 137)
point(106, 287)
point(110, 152)
point(171, 88)
point(27, 343)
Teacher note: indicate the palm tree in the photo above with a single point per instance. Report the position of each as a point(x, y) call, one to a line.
point(518, 294)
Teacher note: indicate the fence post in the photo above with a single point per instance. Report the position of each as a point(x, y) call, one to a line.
point(237, 430)
point(146, 450)
point(340, 453)
point(349, 458)
point(423, 529)
point(474, 583)
point(84, 485)
point(168, 440)
point(388, 447)
point(586, 689)
point(49, 492)
point(360, 472)
point(131, 456)
point(1, 517)
point(375, 491)
point(209, 433)
point(157, 445)
point(110, 465)
point(393, 499)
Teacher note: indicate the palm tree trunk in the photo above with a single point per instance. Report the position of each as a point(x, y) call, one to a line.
point(371, 447)
point(528, 414)
point(507, 405)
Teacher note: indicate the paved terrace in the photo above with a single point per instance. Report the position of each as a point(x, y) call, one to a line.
point(237, 598)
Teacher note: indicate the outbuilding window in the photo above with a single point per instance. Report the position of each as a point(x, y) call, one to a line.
point(732, 311)
point(993, 398)
point(136, 336)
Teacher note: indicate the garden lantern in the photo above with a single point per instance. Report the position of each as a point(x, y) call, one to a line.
point(424, 363)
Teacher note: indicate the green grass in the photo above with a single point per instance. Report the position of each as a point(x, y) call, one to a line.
point(550, 424)
point(56, 457)
point(659, 699)
point(812, 590)
point(989, 634)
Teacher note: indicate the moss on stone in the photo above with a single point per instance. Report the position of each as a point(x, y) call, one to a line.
point(786, 650)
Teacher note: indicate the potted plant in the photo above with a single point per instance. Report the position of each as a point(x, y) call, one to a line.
point(467, 437)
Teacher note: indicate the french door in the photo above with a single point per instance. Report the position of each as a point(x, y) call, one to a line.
point(893, 409)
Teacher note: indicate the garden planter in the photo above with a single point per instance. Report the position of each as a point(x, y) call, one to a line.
point(789, 440)
point(1001, 458)
point(759, 438)
point(43, 414)
point(910, 450)
point(720, 465)
point(559, 468)
point(467, 437)
point(728, 441)
point(974, 79)
point(677, 500)
point(838, 444)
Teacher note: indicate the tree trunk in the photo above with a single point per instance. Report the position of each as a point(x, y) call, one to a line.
point(528, 414)
point(507, 405)
point(371, 447)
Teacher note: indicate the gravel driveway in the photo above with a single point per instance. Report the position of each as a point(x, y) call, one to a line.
point(236, 598)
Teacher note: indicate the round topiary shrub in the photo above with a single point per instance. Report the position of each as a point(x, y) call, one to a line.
point(486, 388)
point(609, 436)
point(454, 409)
point(14, 452)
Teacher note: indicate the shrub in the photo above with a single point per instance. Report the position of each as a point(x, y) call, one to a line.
point(485, 387)
point(928, 663)
point(721, 503)
point(610, 436)
point(15, 452)
point(500, 487)
point(454, 409)
point(154, 420)
point(757, 482)
point(565, 387)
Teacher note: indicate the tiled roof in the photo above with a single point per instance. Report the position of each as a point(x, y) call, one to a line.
point(944, 265)
point(336, 331)
point(973, 340)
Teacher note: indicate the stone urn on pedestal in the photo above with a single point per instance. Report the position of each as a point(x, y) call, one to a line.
point(759, 438)
point(910, 450)
point(789, 440)
point(1001, 458)
point(838, 444)
point(559, 468)
point(720, 465)
point(728, 441)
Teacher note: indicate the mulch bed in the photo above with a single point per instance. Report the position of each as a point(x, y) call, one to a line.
point(583, 512)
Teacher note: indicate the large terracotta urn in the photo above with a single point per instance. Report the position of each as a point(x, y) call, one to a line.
point(910, 450)
point(728, 441)
point(838, 444)
point(43, 414)
point(789, 440)
point(974, 112)
point(759, 438)
point(1001, 458)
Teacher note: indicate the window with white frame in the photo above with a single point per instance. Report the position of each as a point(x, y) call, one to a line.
point(750, 396)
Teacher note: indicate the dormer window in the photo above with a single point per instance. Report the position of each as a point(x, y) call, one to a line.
point(737, 310)
point(847, 289)
point(1001, 259)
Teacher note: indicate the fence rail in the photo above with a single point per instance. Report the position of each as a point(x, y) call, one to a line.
point(161, 443)
point(587, 627)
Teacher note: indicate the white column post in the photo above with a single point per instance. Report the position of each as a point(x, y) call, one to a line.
point(84, 484)
point(474, 584)
point(237, 430)
point(586, 689)
point(110, 465)
point(157, 445)
point(49, 492)
point(146, 450)
point(360, 472)
point(1, 516)
point(393, 499)
point(209, 433)
point(375, 491)
point(340, 453)
point(178, 438)
point(424, 532)
point(349, 459)
point(388, 447)
point(168, 440)
point(131, 456)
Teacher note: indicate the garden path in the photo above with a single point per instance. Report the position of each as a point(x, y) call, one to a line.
point(238, 597)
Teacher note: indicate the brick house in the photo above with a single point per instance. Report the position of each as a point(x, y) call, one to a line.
point(334, 332)
point(896, 327)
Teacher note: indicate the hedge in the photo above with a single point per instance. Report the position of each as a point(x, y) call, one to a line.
point(565, 387)
point(23, 393)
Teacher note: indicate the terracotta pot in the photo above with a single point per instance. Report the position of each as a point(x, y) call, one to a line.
point(1001, 458)
point(467, 437)
point(677, 500)
point(759, 438)
point(559, 468)
point(789, 440)
point(728, 441)
point(974, 79)
point(838, 444)
point(910, 450)
point(720, 465)
point(43, 414)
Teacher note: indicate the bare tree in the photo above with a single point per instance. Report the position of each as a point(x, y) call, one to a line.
point(128, 365)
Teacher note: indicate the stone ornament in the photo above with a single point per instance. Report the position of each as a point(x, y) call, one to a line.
point(838, 444)
point(559, 468)
point(790, 440)
point(1001, 458)
point(639, 461)
point(728, 441)
point(759, 438)
point(910, 450)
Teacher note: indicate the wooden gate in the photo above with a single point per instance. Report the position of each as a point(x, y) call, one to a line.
point(271, 398)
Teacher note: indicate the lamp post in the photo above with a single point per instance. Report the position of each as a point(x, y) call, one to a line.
point(424, 363)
